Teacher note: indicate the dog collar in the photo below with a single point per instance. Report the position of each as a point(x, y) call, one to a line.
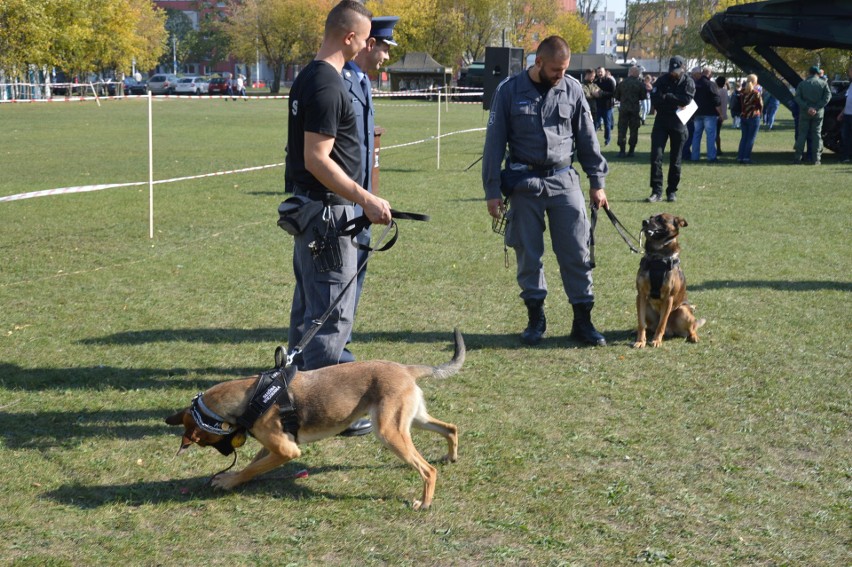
point(207, 419)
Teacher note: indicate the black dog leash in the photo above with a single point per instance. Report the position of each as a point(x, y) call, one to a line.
point(356, 225)
point(625, 235)
point(351, 229)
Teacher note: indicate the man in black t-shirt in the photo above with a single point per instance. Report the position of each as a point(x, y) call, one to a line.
point(324, 163)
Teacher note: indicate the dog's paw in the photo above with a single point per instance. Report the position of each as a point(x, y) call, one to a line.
point(418, 506)
point(693, 338)
point(224, 481)
point(449, 458)
point(639, 344)
point(657, 343)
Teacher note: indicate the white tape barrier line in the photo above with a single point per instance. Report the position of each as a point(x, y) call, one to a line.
point(410, 94)
point(430, 138)
point(89, 188)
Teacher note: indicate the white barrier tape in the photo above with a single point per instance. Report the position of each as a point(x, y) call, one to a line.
point(377, 95)
point(430, 138)
point(89, 188)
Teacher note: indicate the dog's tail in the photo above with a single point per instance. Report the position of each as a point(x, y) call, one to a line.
point(453, 366)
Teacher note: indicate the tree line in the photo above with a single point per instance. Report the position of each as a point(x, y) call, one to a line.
point(84, 37)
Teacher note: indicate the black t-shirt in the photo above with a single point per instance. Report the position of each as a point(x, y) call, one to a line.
point(320, 104)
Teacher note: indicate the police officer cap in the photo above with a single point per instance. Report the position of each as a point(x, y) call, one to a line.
point(676, 63)
point(382, 29)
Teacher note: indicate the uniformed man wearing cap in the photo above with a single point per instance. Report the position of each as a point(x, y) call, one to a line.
point(812, 95)
point(542, 117)
point(357, 81)
point(670, 93)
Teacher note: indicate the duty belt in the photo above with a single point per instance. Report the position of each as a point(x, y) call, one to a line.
point(541, 170)
point(327, 197)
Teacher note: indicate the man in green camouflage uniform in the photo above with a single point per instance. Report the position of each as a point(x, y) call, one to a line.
point(812, 95)
point(630, 92)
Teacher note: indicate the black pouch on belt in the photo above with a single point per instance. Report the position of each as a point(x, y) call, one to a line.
point(297, 212)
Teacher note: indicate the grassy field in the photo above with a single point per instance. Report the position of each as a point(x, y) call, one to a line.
point(732, 451)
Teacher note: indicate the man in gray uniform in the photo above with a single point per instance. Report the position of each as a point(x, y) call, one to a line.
point(542, 116)
point(357, 82)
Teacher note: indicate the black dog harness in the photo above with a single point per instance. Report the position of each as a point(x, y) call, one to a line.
point(657, 269)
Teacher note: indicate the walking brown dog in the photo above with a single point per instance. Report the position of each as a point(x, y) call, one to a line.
point(326, 401)
point(661, 286)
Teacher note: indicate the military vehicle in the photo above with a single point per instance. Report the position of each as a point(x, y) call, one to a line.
point(763, 26)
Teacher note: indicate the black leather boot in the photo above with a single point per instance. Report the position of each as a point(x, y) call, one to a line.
point(630, 153)
point(621, 153)
point(537, 322)
point(582, 330)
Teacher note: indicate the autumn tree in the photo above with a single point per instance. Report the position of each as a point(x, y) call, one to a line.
point(80, 36)
point(573, 29)
point(434, 26)
point(25, 32)
point(282, 31)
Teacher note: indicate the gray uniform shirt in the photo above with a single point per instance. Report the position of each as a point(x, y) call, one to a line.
point(540, 131)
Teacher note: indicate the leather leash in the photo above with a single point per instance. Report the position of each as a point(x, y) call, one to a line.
point(352, 228)
point(625, 235)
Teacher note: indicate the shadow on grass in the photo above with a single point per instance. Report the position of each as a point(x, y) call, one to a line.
point(47, 429)
point(16, 377)
point(778, 285)
point(473, 341)
point(278, 484)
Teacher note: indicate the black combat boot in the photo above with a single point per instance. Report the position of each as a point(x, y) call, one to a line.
point(630, 153)
point(537, 322)
point(621, 153)
point(582, 330)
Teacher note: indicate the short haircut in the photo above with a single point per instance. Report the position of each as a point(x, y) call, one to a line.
point(553, 47)
point(587, 71)
point(634, 71)
point(342, 18)
point(721, 80)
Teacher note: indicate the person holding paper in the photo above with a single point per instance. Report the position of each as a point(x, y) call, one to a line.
point(672, 98)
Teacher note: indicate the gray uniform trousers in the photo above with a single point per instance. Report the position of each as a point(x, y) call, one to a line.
point(569, 235)
point(315, 291)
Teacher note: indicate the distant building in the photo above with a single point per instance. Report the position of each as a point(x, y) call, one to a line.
point(608, 36)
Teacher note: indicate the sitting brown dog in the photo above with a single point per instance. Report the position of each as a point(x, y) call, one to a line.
point(661, 286)
point(325, 402)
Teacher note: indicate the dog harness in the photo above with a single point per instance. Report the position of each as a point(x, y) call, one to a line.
point(657, 269)
point(271, 388)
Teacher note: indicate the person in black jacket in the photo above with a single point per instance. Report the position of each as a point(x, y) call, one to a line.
point(605, 103)
point(671, 92)
point(707, 115)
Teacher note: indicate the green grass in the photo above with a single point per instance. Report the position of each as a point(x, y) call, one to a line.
point(734, 451)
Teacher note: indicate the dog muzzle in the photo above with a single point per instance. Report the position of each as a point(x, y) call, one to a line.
point(209, 421)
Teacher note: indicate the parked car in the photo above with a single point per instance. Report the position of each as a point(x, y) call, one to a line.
point(218, 85)
point(162, 84)
point(191, 85)
point(131, 87)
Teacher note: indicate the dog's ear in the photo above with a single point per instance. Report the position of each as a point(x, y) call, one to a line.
point(681, 222)
point(176, 419)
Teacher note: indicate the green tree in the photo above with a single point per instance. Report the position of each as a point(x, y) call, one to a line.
point(25, 32)
point(480, 28)
point(181, 39)
point(573, 29)
point(283, 31)
point(434, 26)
